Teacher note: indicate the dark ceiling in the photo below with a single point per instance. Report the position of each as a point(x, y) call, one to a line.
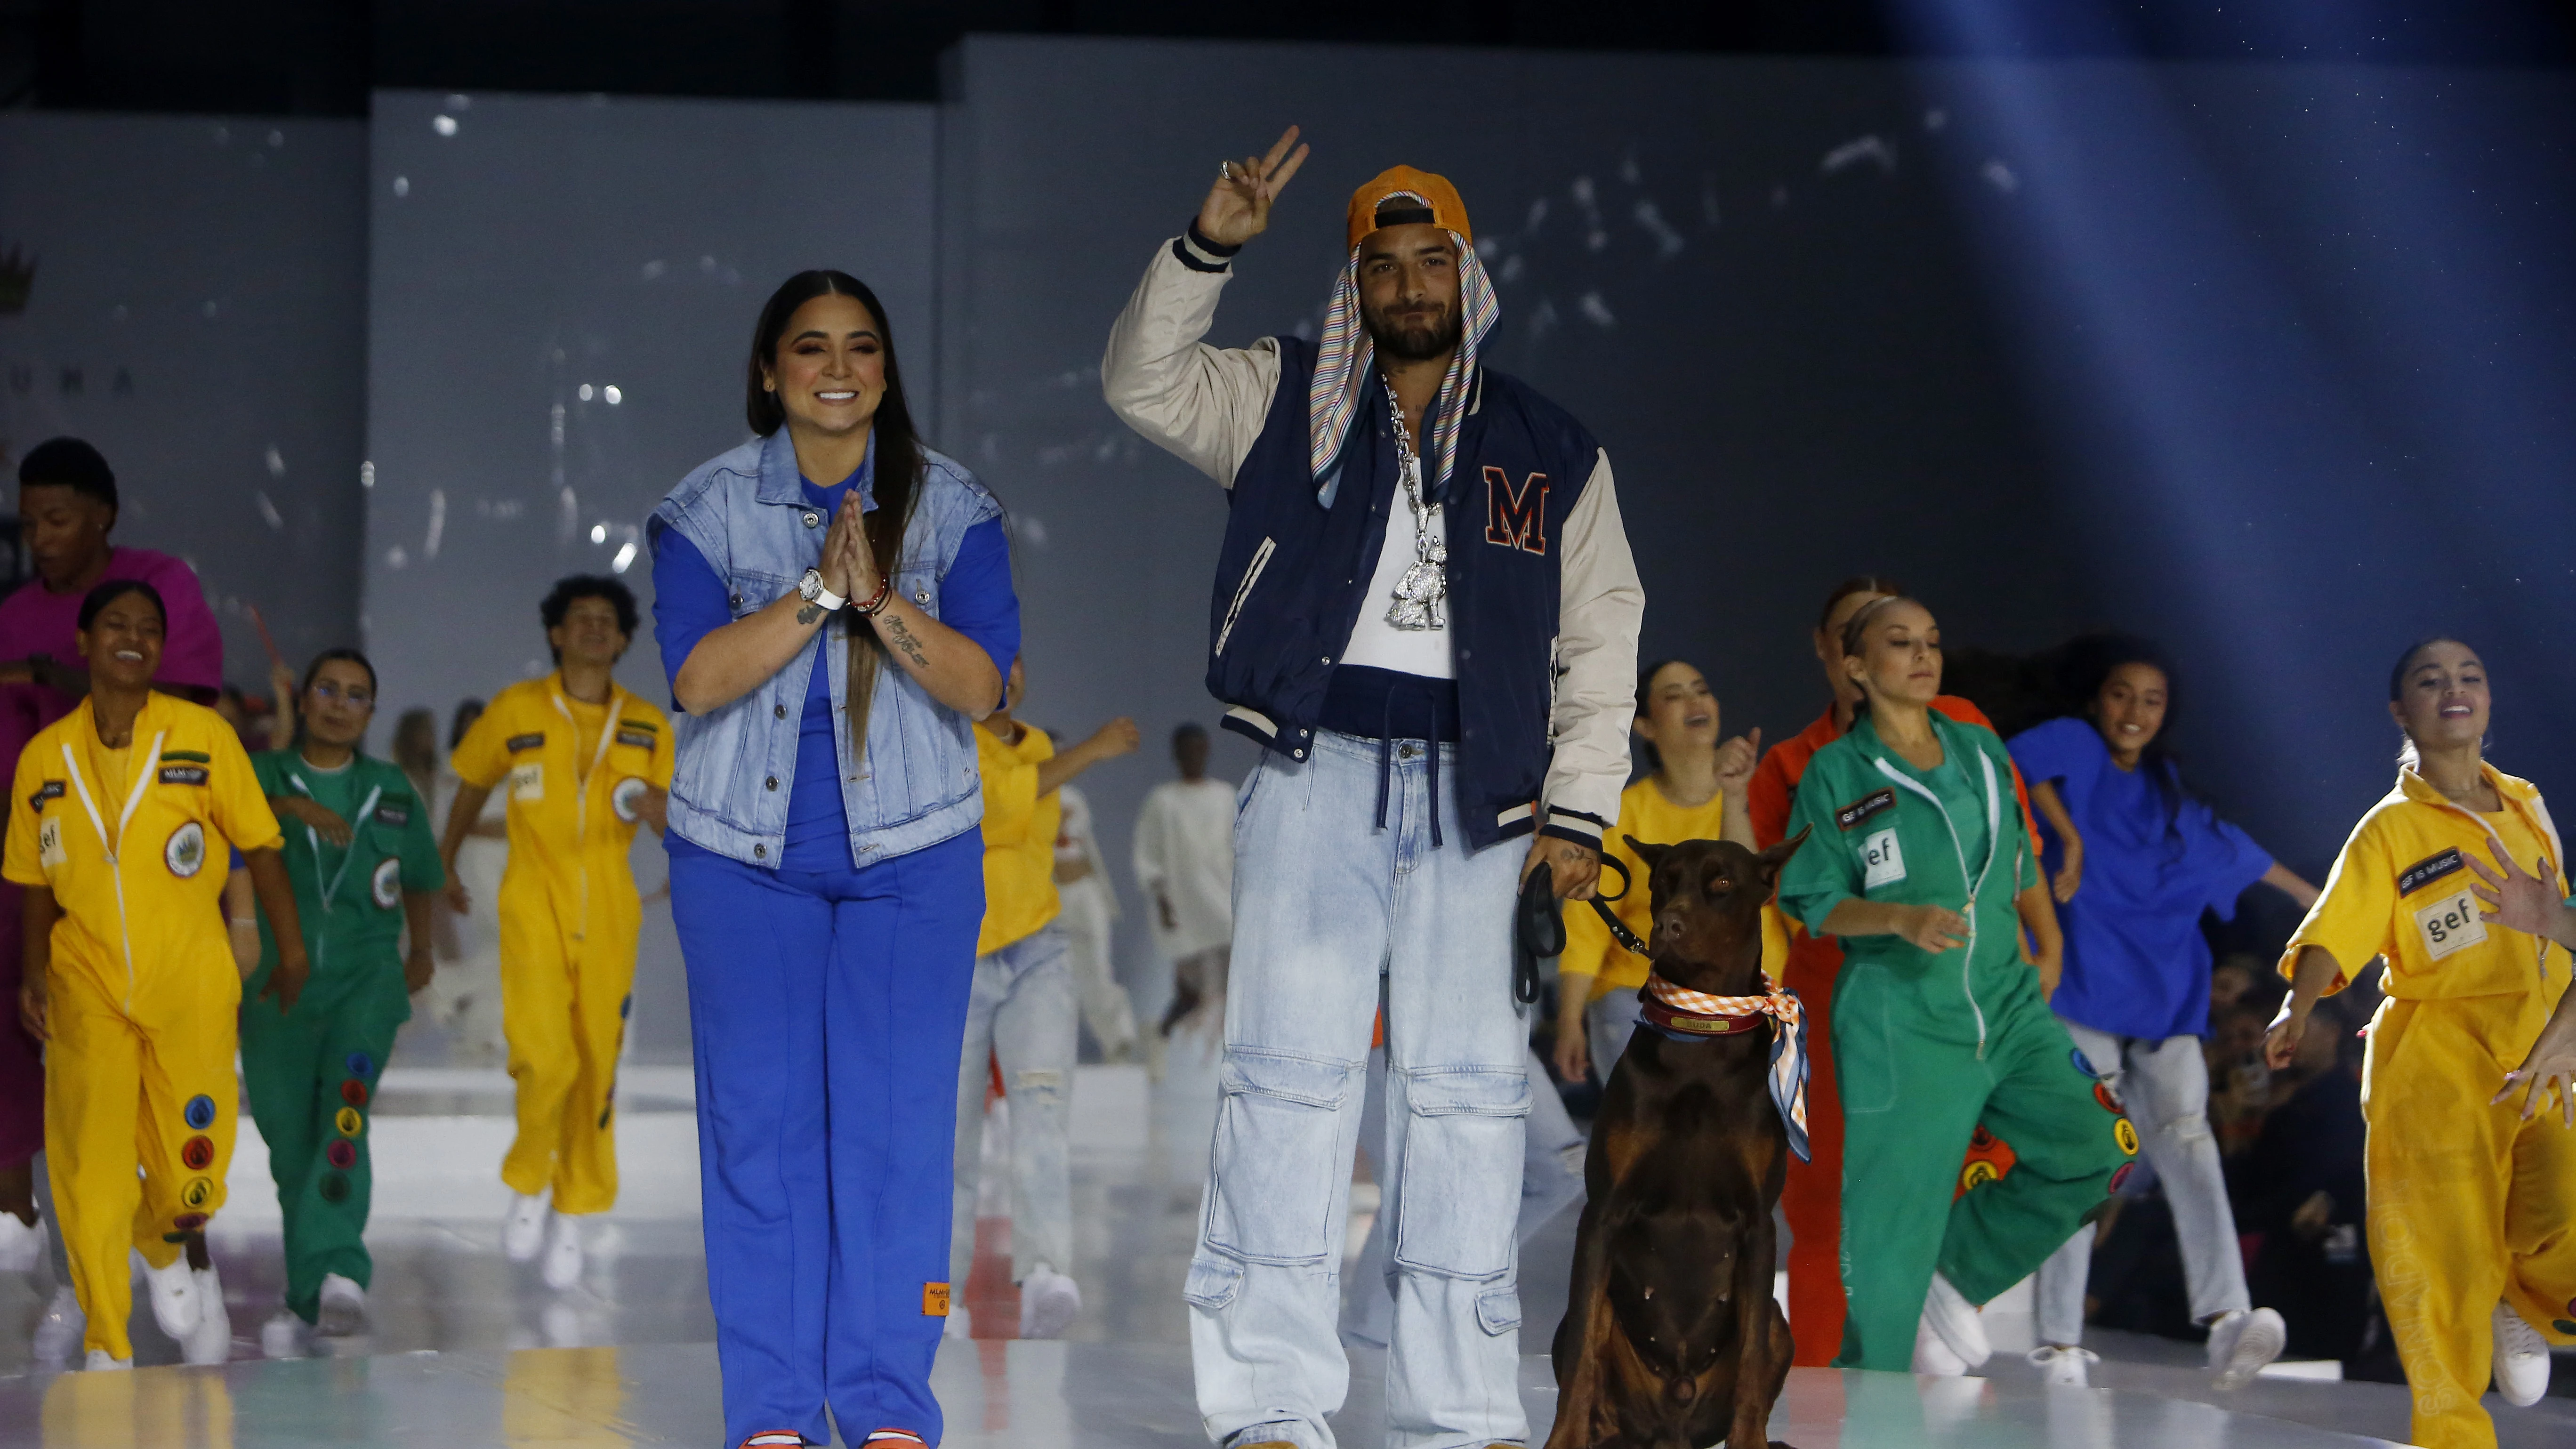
point(322, 57)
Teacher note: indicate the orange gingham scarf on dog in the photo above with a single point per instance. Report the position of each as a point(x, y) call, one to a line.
point(1788, 1070)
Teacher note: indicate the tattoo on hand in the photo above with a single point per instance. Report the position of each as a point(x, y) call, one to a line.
point(904, 641)
point(809, 613)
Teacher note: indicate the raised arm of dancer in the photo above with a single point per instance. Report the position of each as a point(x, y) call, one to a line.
point(2070, 869)
point(2289, 883)
point(461, 815)
point(1736, 759)
point(281, 719)
point(1118, 737)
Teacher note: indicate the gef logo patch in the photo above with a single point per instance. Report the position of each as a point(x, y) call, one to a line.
point(1865, 807)
point(2428, 870)
point(2448, 925)
point(1882, 860)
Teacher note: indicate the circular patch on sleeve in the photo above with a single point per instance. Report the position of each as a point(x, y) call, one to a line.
point(2565, 1326)
point(2109, 1103)
point(198, 1192)
point(2121, 1176)
point(387, 884)
point(335, 1187)
point(360, 1064)
point(625, 796)
point(2127, 1135)
point(200, 1112)
point(198, 1153)
point(2082, 1062)
point(1977, 1174)
point(354, 1092)
point(186, 852)
point(342, 1154)
point(350, 1123)
point(188, 1222)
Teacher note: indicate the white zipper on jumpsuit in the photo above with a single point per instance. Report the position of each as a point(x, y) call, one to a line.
point(115, 870)
point(581, 796)
point(314, 838)
point(1994, 825)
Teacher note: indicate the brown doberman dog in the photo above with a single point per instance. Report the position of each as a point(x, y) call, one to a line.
point(1671, 1338)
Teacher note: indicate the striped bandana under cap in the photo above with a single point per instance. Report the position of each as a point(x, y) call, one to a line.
point(1342, 359)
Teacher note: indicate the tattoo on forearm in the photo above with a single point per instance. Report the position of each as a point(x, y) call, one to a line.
point(809, 613)
point(904, 641)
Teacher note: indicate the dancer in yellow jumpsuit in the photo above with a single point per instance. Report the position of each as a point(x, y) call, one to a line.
point(2472, 1187)
point(585, 763)
point(116, 813)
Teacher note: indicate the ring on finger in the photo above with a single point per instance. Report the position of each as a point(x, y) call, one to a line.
point(1225, 170)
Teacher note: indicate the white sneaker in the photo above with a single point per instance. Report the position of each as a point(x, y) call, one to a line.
point(1953, 1322)
point(2521, 1359)
point(212, 1340)
point(60, 1331)
point(344, 1308)
point(100, 1359)
point(174, 1297)
point(523, 1229)
point(1048, 1303)
point(22, 1245)
point(2063, 1368)
point(563, 1253)
point(282, 1336)
point(2241, 1341)
point(961, 1324)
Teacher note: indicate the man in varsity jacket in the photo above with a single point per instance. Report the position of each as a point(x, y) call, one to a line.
point(1426, 613)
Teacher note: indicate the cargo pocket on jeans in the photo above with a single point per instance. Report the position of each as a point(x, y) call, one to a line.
point(1272, 1191)
point(1461, 1195)
point(1212, 1283)
point(1498, 1310)
point(1864, 1057)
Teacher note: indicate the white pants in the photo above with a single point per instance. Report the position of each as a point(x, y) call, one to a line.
point(1022, 1013)
point(2165, 1087)
point(1105, 1007)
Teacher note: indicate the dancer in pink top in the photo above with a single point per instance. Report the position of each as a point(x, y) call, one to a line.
point(67, 506)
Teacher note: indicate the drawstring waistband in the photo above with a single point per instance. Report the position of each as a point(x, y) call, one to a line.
point(1372, 703)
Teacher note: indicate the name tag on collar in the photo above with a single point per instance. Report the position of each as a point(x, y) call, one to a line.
point(1865, 807)
point(637, 738)
point(1882, 860)
point(516, 743)
point(2450, 924)
point(2428, 870)
point(183, 774)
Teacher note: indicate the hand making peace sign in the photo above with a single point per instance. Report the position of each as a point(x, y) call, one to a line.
point(1237, 208)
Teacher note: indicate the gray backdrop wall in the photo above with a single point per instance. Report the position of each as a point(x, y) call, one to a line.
point(198, 310)
point(563, 291)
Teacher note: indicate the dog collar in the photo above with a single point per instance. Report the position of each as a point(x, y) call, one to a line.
point(1678, 1008)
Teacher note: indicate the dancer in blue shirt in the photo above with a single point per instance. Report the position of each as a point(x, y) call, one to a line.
point(2133, 860)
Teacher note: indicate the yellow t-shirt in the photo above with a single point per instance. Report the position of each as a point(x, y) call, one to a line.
point(1019, 838)
point(1647, 813)
point(570, 789)
point(2400, 889)
point(175, 803)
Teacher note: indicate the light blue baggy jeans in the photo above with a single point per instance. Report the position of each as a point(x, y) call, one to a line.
point(2165, 1087)
point(1327, 906)
point(1022, 1014)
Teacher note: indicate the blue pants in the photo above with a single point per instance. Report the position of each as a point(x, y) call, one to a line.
point(827, 1009)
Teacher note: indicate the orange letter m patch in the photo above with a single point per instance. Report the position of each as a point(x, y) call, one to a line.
point(1516, 517)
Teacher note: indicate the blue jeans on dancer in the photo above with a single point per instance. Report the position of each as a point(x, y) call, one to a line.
point(1323, 912)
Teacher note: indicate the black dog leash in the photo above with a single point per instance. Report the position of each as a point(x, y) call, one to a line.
point(1539, 930)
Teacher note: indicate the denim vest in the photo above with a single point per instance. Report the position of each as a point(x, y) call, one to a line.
point(918, 785)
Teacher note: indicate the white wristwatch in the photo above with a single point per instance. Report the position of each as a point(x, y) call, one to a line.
point(810, 589)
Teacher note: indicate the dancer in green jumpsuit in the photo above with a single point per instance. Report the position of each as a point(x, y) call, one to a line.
point(364, 865)
point(1917, 859)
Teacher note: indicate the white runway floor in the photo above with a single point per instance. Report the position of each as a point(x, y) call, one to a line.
point(470, 1351)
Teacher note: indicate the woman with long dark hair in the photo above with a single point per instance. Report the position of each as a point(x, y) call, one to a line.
point(1916, 859)
point(834, 605)
point(2457, 878)
point(364, 866)
point(2134, 859)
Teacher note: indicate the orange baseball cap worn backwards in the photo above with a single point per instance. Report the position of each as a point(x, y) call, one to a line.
point(1418, 196)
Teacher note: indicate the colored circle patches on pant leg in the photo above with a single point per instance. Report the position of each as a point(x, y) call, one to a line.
point(348, 1120)
point(2108, 1103)
point(335, 1187)
point(2127, 1135)
point(626, 1008)
point(188, 1222)
point(200, 1112)
point(2082, 1062)
point(197, 1153)
point(198, 1192)
point(361, 1065)
point(354, 1092)
point(2121, 1176)
point(342, 1154)
point(1976, 1175)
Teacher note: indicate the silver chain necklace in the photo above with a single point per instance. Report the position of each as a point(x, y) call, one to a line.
point(1425, 585)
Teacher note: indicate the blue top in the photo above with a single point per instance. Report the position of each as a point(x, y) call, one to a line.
point(975, 599)
point(2136, 962)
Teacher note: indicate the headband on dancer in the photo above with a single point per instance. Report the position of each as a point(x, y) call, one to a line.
point(1399, 196)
